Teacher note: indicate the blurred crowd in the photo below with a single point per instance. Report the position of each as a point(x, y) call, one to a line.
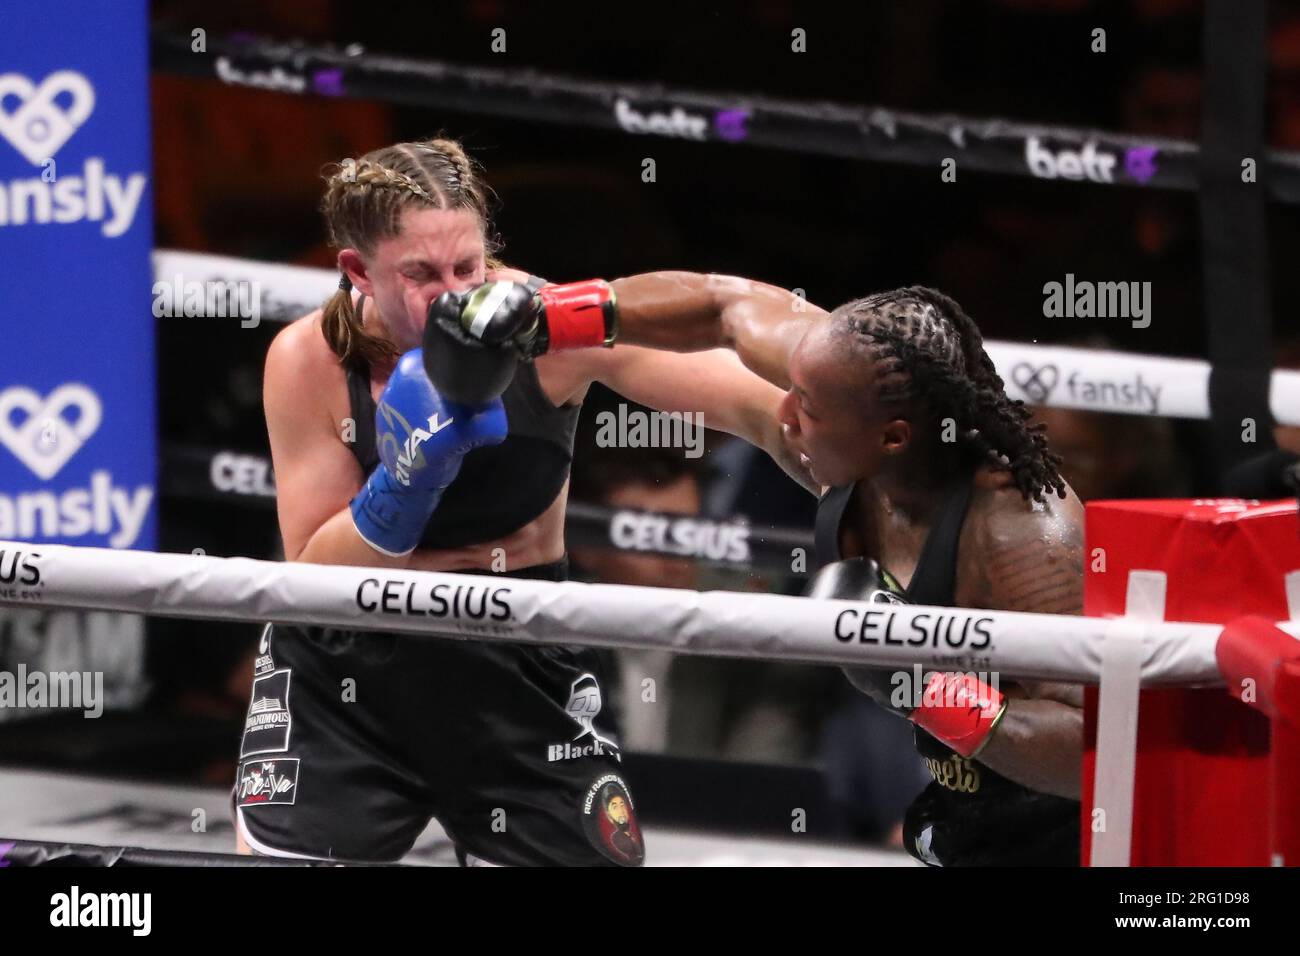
point(238, 173)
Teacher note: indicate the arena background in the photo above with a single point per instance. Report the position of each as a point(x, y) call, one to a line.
point(237, 173)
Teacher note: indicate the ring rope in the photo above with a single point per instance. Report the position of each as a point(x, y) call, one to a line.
point(868, 133)
point(719, 623)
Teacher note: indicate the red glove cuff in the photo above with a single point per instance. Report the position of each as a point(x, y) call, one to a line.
point(960, 710)
point(579, 315)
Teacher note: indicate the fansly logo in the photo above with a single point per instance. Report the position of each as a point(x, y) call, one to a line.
point(44, 433)
point(38, 127)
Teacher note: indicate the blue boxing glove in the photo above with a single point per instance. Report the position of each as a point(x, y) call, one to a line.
point(422, 440)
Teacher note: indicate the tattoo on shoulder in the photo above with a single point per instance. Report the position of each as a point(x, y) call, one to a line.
point(1033, 562)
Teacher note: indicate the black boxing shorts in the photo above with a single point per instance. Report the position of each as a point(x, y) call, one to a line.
point(355, 739)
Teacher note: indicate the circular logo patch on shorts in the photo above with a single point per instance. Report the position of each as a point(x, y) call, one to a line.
point(610, 820)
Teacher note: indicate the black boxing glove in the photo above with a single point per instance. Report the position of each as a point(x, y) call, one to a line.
point(508, 321)
point(461, 366)
point(862, 579)
point(536, 318)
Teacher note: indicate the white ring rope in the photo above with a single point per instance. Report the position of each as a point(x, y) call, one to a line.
point(1090, 379)
point(721, 623)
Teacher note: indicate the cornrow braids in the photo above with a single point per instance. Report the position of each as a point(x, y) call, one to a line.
point(929, 350)
point(372, 174)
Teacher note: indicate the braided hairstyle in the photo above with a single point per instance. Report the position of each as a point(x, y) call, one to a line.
point(927, 349)
point(363, 205)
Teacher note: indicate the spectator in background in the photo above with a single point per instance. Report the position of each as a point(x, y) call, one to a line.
point(872, 769)
point(651, 479)
point(702, 707)
point(1113, 455)
point(257, 195)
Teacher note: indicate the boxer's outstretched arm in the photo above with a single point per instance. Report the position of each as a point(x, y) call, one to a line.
point(691, 311)
point(714, 383)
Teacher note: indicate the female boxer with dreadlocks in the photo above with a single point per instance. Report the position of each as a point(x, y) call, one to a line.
point(934, 486)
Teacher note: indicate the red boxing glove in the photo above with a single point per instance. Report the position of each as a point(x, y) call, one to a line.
point(577, 315)
point(960, 710)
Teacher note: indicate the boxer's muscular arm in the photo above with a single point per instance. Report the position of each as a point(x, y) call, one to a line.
point(1031, 561)
point(687, 312)
point(729, 397)
point(316, 476)
point(690, 311)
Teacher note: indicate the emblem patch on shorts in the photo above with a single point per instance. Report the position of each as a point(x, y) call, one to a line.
point(266, 728)
point(609, 820)
point(263, 782)
point(584, 707)
point(264, 662)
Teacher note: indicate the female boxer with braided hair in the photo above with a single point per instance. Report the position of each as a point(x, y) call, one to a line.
point(923, 344)
point(354, 739)
point(935, 487)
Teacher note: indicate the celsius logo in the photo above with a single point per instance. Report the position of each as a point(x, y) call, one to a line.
point(20, 567)
point(47, 439)
point(463, 602)
point(641, 531)
point(39, 127)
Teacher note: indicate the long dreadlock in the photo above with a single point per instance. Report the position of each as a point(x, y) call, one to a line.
point(928, 349)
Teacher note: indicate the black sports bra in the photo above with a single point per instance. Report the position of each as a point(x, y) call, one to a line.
point(500, 488)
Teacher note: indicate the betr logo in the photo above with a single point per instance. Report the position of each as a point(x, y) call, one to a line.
point(1088, 163)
